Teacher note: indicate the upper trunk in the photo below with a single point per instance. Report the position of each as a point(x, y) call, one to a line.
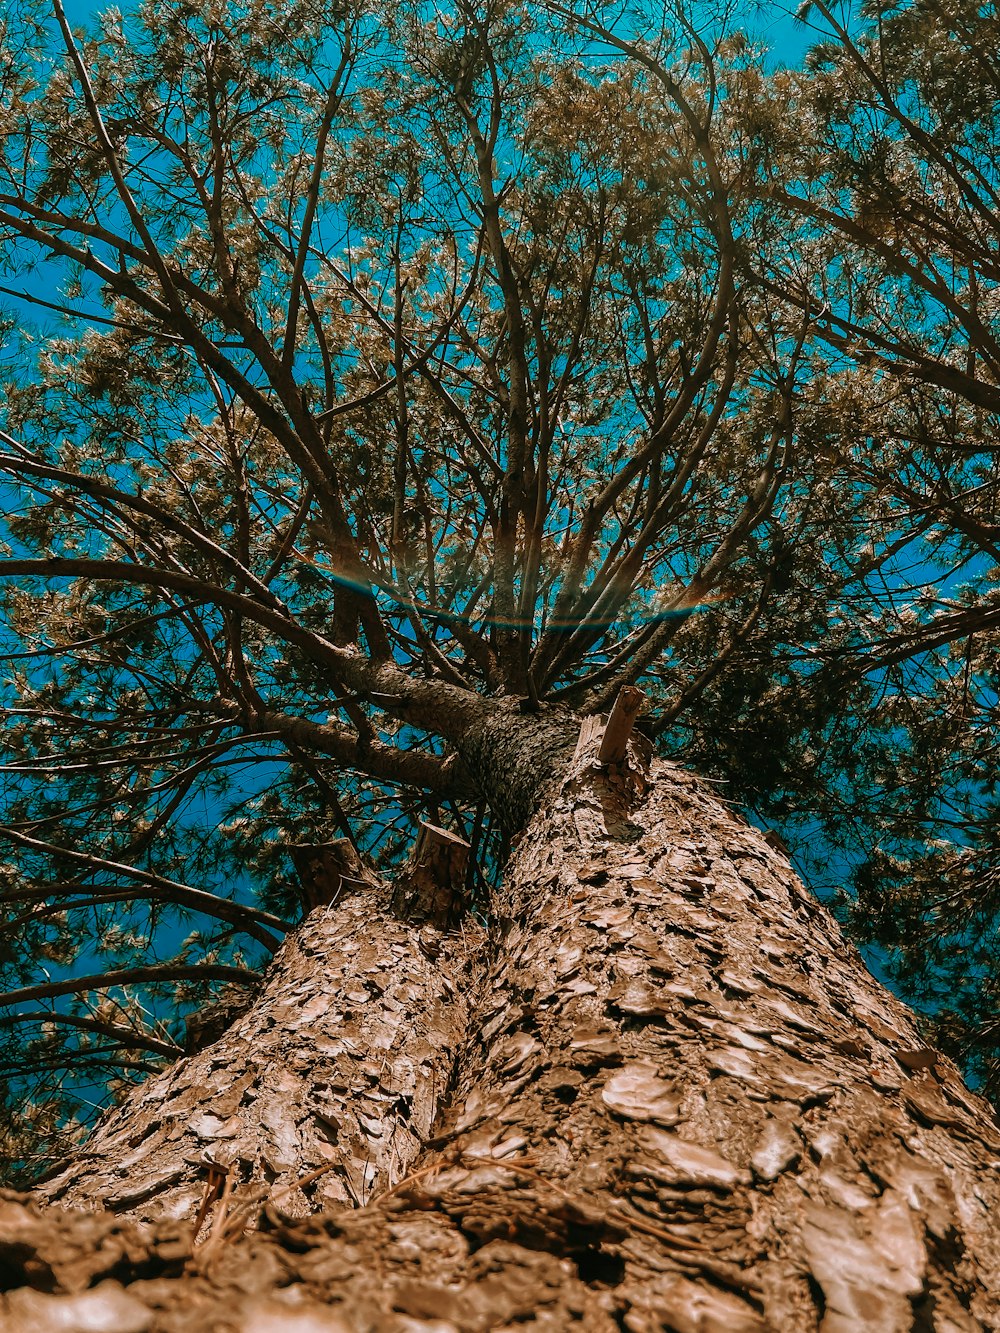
point(513, 755)
point(682, 1102)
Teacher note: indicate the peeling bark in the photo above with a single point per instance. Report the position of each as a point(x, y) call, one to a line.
point(682, 1103)
point(676, 1032)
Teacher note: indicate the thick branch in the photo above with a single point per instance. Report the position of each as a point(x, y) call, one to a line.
point(445, 775)
point(128, 976)
point(126, 1036)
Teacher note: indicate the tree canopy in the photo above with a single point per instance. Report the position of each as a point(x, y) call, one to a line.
point(371, 368)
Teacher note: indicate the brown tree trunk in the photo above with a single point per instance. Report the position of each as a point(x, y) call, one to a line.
point(682, 1103)
point(340, 1065)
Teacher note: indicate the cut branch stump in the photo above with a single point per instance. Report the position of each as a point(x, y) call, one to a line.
point(207, 1024)
point(431, 886)
point(327, 870)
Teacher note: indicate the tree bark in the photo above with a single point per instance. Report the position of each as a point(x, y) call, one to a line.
point(681, 1103)
point(341, 1064)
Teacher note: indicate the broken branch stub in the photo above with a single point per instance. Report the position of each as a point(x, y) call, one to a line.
point(431, 886)
point(591, 729)
point(206, 1025)
point(613, 736)
point(623, 715)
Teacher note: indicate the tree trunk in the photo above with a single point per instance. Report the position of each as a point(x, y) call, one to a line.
point(341, 1064)
point(681, 1103)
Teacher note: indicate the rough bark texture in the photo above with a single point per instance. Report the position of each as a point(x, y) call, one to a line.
point(341, 1064)
point(683, 1104)
point(512, 755)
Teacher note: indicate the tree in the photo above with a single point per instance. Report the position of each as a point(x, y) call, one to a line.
point(405, 427)
point(382, 400)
